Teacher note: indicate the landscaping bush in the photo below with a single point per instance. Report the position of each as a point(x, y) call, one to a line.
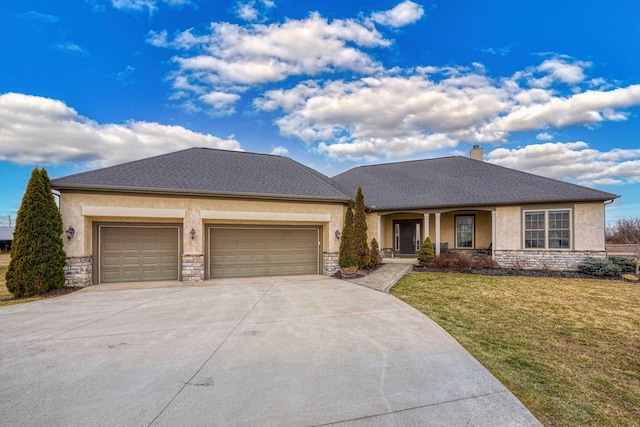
point(426, 253)
point(598, 267)
point(360, 246)
point(627, 265)
point(37, 258)
point(483, 262)
point(374, 254)
point(454, 261)
point(346, 256)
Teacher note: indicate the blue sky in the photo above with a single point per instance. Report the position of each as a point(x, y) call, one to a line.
point(548, 87)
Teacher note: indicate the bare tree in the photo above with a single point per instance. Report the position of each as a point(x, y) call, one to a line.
point(626, 230)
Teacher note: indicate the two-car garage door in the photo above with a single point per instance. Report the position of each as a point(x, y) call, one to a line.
point(263, 251)
point(134, 253)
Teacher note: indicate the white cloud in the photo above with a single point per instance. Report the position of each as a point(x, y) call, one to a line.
point(499, 51)
point(46, 131)
point(585, 108)
point(222, 102)
point(574, 161)
point(559, 70)
point(403, 14)
point(43, 17)
point(544, 136)
point(70, 48)
point(253, 10)
point(430, 108)
point(256, 54)
point(280, 151)
point(149, 5)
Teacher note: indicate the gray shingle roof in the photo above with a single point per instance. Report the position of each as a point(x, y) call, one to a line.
point(430, 183)
point(210, 171)
point(457, 182)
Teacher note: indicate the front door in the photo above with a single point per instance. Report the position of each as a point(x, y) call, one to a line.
point(406, 237)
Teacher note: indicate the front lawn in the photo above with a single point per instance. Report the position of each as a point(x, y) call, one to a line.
point(569, 349)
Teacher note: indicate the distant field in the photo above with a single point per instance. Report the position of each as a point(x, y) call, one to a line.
point(4, 264)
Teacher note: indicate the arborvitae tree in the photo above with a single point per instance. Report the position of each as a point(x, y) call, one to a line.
point(346, 257)
point(374, 253)
point(37, 258)
point(426, 253)
point(360, 246)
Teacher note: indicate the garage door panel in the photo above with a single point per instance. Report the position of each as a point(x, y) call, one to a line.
point(133, 254)
point(238, 252)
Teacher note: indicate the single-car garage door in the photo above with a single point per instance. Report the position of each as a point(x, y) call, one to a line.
point(269, 251)
point(138, 253)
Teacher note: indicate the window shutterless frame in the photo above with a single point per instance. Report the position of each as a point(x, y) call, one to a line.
point(547, 229)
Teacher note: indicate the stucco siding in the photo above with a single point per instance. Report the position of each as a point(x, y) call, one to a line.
point(188, 212)
point(508, 228)
point(589, 226)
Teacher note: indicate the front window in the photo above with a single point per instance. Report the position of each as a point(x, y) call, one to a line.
point(559, 229)
point(534, 230)
point(547, 229)
point(464, 231)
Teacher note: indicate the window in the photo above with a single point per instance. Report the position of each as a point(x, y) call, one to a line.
point(534, 230)
point(397, 238)
point(464, 232)
point(559, 229)
point(547, 229)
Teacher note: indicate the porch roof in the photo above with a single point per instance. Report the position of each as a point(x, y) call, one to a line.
point(457, 182)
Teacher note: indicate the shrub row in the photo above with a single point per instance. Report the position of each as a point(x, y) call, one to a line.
point(599, 267)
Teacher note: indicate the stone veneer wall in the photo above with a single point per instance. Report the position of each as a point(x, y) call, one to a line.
point(544, 260)
point(192, 268)
point(78, 271)
point(330, 264)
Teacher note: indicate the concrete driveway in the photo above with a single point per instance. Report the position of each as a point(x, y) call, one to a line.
point(294, 351)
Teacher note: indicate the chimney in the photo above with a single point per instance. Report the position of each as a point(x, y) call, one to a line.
point(477, 153)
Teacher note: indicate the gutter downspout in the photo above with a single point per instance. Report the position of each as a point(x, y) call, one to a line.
point(604, 229)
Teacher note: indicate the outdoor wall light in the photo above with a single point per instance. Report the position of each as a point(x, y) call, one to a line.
point(193, 233)
point(338, 234)
point(70, 232)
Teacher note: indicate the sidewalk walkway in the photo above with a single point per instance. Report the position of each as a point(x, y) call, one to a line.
point(386, 276)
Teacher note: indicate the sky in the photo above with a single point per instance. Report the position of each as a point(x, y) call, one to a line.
point(547, 87)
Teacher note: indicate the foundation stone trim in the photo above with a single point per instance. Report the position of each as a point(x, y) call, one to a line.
point(330, 264)
point(544, 260)
point(78, 271)
point(192, 268)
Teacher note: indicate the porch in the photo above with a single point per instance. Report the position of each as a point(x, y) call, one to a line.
point(470, 231)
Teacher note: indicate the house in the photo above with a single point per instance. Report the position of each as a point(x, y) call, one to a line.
point(203, 213)
point(6, 237)
point(464, 204)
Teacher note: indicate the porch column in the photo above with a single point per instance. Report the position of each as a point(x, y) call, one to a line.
point(379, 232)
point(426, 227)
point(493, 234)
point(437, 233)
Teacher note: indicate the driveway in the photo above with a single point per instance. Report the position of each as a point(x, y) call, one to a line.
point(294, 351)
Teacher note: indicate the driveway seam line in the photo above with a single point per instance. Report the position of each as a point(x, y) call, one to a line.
point(397, 411)
point(186, 383)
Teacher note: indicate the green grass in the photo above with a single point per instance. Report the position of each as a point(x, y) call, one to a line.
point(569, 349)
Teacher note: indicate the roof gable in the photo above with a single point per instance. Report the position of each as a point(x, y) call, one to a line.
point(457, 181)
point(210, 171)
